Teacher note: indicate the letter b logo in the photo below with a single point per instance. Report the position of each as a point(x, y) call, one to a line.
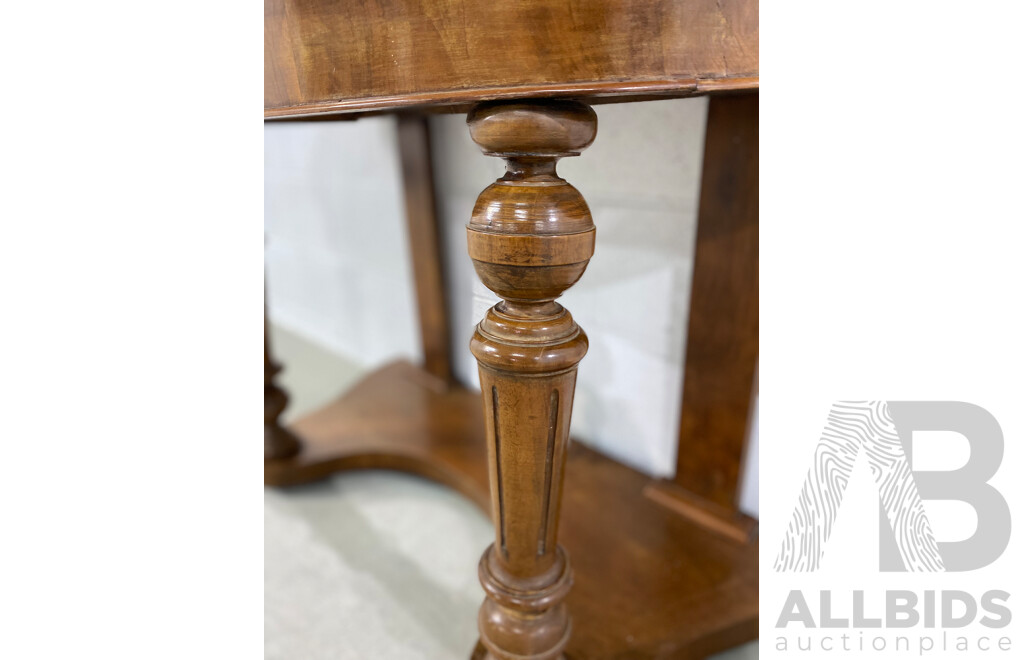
point(884, 431)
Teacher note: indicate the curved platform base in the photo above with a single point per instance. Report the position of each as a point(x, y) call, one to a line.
point(396, 418)
point(648, 582)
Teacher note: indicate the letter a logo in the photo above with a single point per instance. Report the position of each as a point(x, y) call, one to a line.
point(883, 431)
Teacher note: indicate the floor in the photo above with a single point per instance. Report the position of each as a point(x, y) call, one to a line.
point(370, 564)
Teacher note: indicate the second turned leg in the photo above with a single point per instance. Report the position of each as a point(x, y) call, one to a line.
point(530, 238)
point(278, 442)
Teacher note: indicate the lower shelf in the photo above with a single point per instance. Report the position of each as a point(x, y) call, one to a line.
point(648, 583)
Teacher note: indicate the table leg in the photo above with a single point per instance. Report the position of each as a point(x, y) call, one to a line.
point(278, 442)
point(721, 343)
point(425, 244)
point(530, 238)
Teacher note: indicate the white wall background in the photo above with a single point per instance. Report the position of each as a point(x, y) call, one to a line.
point(339, 273)
point(337, 254)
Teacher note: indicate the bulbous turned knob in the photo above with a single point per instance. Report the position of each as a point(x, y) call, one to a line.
point(531, 233)
point(533, 128)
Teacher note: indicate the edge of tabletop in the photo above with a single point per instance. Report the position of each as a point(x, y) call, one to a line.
point(453, 100)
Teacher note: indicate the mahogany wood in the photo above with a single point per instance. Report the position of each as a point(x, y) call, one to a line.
point(278, 442)
point(721, 343)
point(424, 244)
point(727, 521)
point(648, 583)
point(332, 56)
point(530, 238)
point(400, 418)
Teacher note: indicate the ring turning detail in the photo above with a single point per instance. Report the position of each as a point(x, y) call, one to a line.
point(530, 239)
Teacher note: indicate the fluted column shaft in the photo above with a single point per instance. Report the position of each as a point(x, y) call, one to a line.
point(530, 238)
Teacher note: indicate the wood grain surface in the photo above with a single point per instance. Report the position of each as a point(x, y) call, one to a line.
point(424, 243)
point(334, 56)
point(648, 583)
point(530, 237)
point(722, 339)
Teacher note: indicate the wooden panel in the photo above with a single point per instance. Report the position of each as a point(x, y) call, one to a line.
point(528, 348)
point(647, 583)
point(721, 344)
point(424, 244)
point(324, 56)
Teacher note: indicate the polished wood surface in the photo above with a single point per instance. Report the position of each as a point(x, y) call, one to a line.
point(727, 521)
point(530, 238)
point(722, 339)
point(655, 572)
point(424, 243)
point(400, 418)
point(647, 583)
point(335, 56)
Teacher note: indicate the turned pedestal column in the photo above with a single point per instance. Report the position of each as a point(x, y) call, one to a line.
point(530, 238)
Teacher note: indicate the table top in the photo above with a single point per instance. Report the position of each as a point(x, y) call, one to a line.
point(325, 57)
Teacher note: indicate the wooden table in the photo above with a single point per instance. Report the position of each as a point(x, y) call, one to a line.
point(658, 569)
